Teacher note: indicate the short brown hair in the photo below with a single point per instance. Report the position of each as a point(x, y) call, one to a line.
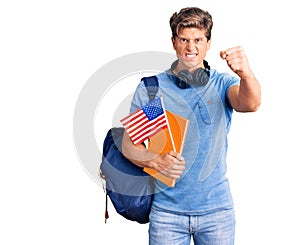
point(191, 17)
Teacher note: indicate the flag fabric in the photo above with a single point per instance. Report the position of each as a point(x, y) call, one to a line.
point(145, 122)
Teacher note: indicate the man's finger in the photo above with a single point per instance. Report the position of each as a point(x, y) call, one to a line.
point(223, 54)
point(230, 51)
point(176, 155)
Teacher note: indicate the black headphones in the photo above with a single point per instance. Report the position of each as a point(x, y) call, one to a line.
point(184, 79)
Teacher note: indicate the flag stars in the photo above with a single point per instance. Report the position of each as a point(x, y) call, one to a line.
point(154, 109)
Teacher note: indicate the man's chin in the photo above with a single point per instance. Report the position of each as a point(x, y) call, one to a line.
point(192, 65)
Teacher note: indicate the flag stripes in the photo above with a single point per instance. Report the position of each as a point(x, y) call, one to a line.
point(145, 122)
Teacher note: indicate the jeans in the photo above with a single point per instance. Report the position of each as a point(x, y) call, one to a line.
point(215, 228)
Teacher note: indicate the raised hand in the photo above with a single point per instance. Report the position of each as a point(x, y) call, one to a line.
point(237, 61)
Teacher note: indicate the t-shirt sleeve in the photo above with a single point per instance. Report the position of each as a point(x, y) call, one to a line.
point(230, 82)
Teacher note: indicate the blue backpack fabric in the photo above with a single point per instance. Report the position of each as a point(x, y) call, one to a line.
point(129, 188)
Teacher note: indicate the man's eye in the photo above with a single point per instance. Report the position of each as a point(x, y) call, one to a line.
point(198, 40)
point(183, 40)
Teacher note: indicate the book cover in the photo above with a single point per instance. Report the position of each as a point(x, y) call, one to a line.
point(161, 143)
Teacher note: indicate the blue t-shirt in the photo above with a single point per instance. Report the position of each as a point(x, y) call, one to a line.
point(203, 186)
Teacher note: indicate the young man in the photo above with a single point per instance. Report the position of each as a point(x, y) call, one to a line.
point(200, 205)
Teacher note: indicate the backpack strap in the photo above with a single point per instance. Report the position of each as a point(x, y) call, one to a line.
point(151, 84)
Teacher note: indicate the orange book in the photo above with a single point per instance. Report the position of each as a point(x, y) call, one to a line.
point(161, 143)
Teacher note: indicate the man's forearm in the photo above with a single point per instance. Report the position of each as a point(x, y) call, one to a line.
point(171, 164)
point(138, 154)
point(250, 93)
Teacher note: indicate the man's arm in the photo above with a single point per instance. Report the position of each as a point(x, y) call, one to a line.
point(171, 164)
point(247, 96)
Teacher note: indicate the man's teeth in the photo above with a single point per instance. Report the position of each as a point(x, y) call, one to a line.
point(191, 55)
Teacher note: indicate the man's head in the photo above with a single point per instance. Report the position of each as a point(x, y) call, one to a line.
point(191, 37)
point(191, 17)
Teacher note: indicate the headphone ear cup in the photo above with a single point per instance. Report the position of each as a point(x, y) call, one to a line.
point(181, 84)
point(185, 78)
point(201, 77)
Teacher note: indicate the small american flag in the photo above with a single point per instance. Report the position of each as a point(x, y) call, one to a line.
point(145, 122)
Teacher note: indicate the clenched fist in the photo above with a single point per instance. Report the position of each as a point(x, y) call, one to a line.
point(237, 61)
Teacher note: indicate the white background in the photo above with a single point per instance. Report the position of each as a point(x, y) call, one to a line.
point(48, 51)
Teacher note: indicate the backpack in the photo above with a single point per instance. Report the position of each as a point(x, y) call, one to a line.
point(129, 188)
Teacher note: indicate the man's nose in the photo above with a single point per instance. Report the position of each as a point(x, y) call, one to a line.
point(190, 45)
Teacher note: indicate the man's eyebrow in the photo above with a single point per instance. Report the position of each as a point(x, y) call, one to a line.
point(190, 38)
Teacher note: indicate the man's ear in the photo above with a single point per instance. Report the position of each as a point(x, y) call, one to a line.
point(208, 44)
point(173, 41)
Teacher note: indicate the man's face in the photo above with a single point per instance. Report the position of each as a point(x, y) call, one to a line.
point(191, 46)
